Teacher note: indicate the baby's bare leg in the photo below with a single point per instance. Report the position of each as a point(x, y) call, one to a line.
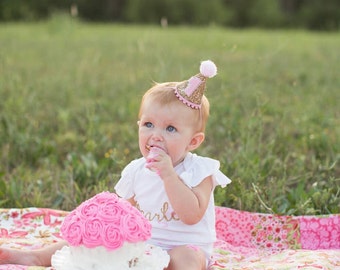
point(41, 257)
point(187, 257)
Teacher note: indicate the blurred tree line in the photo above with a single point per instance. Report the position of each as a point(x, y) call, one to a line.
point(311, 14)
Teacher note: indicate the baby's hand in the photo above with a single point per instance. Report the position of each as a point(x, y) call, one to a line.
point(153, 153)
point(159, 161)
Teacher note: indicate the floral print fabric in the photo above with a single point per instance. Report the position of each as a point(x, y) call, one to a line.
point(275, 233)
point(245, 240)
point(264, 241)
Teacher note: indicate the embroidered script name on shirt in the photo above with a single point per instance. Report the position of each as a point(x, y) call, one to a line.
point(162, 216)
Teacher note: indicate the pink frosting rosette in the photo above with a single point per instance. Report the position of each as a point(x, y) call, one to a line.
point(112, 237)
point(111, 211)
point(72, 229)
point(89, 209)
point(135, 229)
point(91, 233)
point(105, 197)
point(105, 220)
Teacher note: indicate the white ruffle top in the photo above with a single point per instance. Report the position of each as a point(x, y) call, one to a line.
point(148, 191)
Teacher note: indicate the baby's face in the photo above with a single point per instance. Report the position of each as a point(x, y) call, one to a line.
point(169, 127)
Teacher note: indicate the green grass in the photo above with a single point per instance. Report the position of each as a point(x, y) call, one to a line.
point(70, 94)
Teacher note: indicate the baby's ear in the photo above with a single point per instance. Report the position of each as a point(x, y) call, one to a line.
point(196, 140)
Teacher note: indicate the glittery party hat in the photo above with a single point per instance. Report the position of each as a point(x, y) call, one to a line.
point(190, 92)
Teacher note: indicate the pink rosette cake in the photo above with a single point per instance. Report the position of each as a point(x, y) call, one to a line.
point(107, 232)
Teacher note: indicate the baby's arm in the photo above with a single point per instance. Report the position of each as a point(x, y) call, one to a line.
point(39, 257)
point(189, 204)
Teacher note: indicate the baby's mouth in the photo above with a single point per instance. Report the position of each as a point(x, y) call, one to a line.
point(148, 147)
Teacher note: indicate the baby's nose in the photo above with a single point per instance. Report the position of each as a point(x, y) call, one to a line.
point(157, 135)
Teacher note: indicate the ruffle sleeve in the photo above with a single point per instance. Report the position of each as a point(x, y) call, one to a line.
point(124, 187)
point(197, 168)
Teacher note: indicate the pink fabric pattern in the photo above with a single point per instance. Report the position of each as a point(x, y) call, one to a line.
point(263, 241)
point(320, 233)
point(275, 233)
point(246, 240)
point(254, 230)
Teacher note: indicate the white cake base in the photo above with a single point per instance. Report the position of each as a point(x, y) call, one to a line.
point(131, 256)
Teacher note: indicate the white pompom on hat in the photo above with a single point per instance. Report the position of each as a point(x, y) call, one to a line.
point(208, 69)
point(190, 92)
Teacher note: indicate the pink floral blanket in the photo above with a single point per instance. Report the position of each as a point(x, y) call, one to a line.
point(245, 240)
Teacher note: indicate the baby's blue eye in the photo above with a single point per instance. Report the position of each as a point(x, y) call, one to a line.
point(148, 124)
point(171, 129)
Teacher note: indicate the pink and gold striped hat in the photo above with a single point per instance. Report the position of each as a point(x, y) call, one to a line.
point(191, 91)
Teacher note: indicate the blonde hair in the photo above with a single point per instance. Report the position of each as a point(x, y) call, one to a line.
point(164, 94)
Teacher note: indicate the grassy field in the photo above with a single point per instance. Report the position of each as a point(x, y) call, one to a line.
point(70, 92)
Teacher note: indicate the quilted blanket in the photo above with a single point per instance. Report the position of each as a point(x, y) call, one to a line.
point(244, 240)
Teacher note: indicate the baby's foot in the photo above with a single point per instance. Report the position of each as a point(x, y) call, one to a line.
point(15, 256)
point(5, 256)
